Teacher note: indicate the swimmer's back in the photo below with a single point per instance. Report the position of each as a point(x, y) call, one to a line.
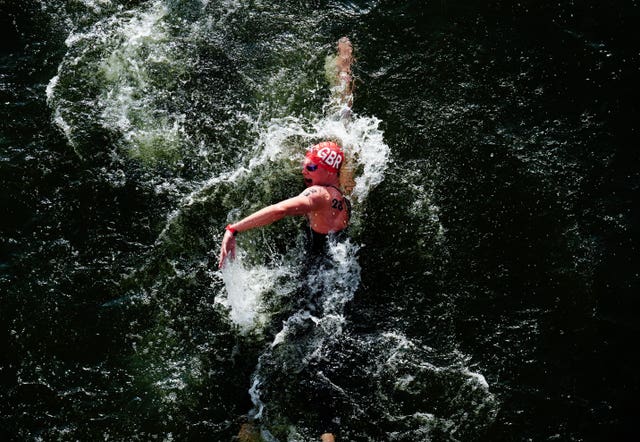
point(332, 209)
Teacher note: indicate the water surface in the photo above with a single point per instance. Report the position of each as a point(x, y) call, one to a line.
point(487, 291)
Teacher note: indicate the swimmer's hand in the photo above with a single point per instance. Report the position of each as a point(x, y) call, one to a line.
point(228, 248)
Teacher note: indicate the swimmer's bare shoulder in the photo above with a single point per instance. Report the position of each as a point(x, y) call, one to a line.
point(317, 195)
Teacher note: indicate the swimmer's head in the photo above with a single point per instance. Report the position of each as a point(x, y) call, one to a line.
point(327, 155)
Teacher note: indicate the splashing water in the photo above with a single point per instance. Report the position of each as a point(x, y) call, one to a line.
point(308, 334)
point(145, 56)
point(138, 70)
point(245, 287)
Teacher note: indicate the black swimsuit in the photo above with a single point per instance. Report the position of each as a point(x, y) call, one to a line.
point(320, 398)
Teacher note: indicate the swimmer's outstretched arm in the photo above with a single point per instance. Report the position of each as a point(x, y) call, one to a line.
point(344, 60)
point(302, 204)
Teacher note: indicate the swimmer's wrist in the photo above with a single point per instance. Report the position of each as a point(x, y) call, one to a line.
point(230, 229)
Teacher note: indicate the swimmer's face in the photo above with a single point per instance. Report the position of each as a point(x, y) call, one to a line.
point(315, 175)
point(309, 171)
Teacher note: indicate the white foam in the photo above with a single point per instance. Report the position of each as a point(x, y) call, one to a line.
point(245, 287)
point(477, 377)
point(294, 320)
point(51, 86)
point(96, 5)
point(254, 394)
point(125, 48)
point(127, 102)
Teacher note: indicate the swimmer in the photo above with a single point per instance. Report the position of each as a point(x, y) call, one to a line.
point(322, 203)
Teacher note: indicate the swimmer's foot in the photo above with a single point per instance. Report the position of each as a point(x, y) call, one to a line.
point(248, 433)
point(327, 437)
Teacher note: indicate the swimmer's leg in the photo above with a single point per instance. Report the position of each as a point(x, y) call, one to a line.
point(327, 437)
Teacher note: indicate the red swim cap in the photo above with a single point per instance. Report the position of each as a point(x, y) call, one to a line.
point(327, 155)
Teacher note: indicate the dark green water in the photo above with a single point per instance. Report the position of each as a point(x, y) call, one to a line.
point(489, 289)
